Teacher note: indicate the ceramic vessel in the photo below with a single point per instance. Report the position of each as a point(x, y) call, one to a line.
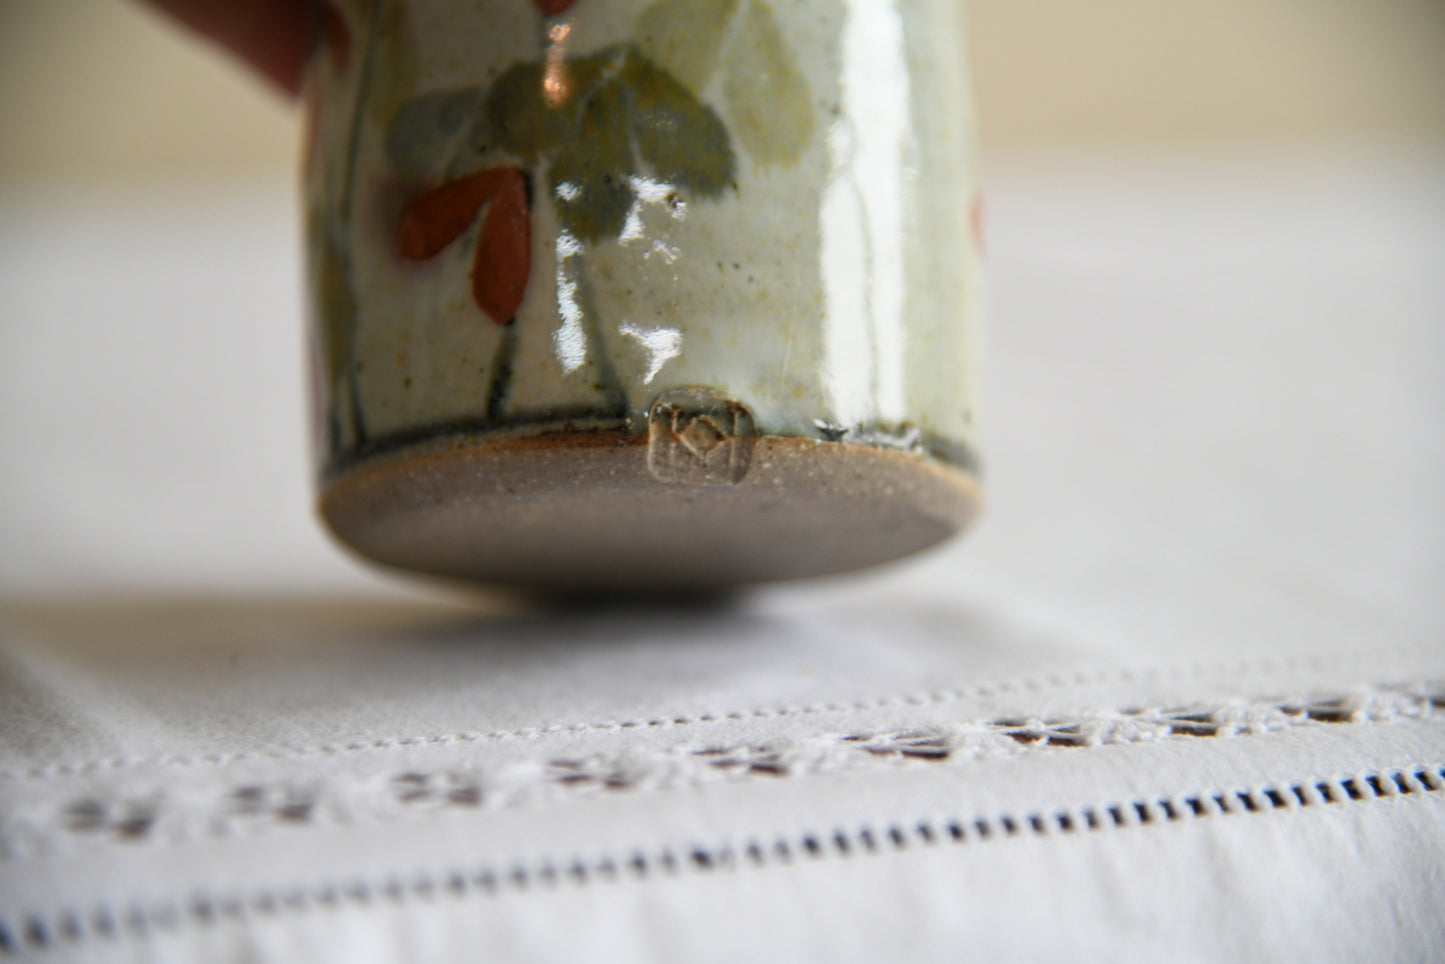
point(643, 293)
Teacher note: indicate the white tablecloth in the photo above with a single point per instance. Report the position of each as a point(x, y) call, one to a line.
point(1181, 693)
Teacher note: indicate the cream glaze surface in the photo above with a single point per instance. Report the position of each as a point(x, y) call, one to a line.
point(548, 217)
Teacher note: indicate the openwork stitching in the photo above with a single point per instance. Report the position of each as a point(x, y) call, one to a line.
point(158, 814)
point(1267, 665)
point(36, 931)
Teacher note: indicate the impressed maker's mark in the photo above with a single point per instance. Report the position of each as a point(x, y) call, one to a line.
point(699, 437)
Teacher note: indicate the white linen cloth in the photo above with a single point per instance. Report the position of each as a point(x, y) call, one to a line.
point(1181, 693)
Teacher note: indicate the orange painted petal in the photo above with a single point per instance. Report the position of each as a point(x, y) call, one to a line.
point(438, 217)
point(504, 251)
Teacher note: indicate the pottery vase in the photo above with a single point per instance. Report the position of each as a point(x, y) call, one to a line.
point(642, 294)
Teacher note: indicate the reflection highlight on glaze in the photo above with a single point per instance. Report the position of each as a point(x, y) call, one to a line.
point(556, 78)
point(862, 220)
point(648, 192)
point(570, 339)
point(844, 266)
point(661, 344)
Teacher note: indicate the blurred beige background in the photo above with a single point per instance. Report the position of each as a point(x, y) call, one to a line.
point(102, 90)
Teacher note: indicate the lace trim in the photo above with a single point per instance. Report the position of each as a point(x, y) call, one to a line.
point(71, 927)
point(173, 813)
point(1029, 684)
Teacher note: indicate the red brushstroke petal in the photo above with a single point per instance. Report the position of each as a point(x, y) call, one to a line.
point(504, 251)
point(551, 8)
point(438, 217)
point(503, 260)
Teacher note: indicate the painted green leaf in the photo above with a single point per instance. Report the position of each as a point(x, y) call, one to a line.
point(520, 118)
point(532, 107)
point(767, 97)
point(678, 136)
point(583, 74)
point(685, 37)
point(431, 128)
point(590, 174)
point(473, 153)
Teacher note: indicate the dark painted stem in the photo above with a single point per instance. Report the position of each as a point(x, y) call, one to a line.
point(502, 374)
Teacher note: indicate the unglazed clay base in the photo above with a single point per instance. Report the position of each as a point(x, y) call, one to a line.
point(582, 511)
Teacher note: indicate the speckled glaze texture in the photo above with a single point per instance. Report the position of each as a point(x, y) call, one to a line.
point(691, 224)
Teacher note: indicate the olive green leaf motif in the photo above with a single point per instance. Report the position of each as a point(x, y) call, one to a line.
point(592, 131)
point(598, 121)
point(685, 37)
point(767, 100)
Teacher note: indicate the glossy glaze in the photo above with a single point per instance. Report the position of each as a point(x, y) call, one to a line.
point(542, 216)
